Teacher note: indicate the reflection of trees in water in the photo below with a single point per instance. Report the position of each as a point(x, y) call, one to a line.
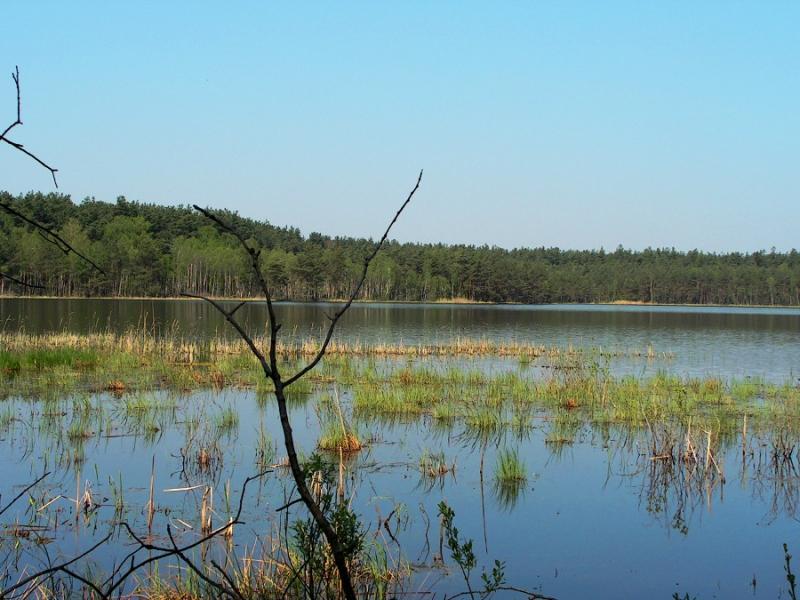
point(679, 470)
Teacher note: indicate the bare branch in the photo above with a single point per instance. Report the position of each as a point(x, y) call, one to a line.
point(254, 254)
point(22, 493)
point(15, 77)
point(165, 552)
point(20, 282)
point(53, 569)
point(338, 315)
point(18, 121)
point(272, 372)
point(50, 236)
point(237, 307)
point(504, 588)
point(238, 327)
point(219, 587)
point(115, 582)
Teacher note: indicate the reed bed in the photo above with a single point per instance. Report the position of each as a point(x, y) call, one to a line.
point(570, 388)
point(144, 343)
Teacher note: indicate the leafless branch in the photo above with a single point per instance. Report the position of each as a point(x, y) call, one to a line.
point(338, 315)
point(199, 572)
point(254, 255)
point(50, 236)
point(504, 588)
point(272, 371)
point(22, 493)
point(18, 121)
point(20, 282)
point(52, 570)
point(238, 327)
point(118, 577)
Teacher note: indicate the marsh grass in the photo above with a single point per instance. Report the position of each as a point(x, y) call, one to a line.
point(509, 467)
point(510, 477)
point(396, 382)
point(227, 420)
point(435, 464)
point(334, 438)
point(265, 448)
point(337, 434)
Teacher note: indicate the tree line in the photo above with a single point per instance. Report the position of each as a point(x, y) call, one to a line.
point(152, 250)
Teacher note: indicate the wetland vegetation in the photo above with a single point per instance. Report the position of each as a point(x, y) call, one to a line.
point(388, 431)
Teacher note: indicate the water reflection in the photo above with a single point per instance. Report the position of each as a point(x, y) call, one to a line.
point(707, 340)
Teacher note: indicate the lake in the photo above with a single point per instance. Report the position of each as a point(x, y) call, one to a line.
point(596, 517)
point(705, 341)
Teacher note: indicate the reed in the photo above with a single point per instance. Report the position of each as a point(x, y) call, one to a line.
point(337, 434)
point(143, 342)
point(435, 464)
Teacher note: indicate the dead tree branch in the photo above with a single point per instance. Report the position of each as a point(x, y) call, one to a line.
point(50, 236)
point(22, 493)
point(118, 577)
point(18, 121)
point(20, 282)
point(338, 314)
point(47, 234)
point(272, 371)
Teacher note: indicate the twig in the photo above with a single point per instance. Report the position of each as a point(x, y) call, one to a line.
point(20, 282)
point(18, 121)
point(50, 236)
point(22, 493)
point(272, 372)
point(53, 569)
point(338, 315)
point(506, 588)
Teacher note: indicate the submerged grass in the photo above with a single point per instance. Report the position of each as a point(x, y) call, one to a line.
point(399, 382)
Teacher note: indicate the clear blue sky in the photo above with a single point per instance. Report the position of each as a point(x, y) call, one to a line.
point(571, 124)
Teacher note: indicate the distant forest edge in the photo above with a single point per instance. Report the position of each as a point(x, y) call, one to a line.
point(152, 250)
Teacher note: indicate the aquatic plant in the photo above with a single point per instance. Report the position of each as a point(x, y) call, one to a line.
point(510, 468)
point(435, 464)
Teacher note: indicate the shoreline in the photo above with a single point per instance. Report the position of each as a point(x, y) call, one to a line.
point(442, 302)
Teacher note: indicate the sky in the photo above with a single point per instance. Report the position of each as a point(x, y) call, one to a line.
point(571, 124)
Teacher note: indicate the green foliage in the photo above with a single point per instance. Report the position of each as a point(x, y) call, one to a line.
point(163, 250)
point(462, 554)
point(510, 467)
point(47, 358)
point(308, 540)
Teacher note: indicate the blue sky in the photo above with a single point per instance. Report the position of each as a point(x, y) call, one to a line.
point(571, 124)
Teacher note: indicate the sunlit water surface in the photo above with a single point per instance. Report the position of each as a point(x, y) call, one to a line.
point(595, 518)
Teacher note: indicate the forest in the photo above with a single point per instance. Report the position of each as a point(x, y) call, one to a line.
point(153, 250)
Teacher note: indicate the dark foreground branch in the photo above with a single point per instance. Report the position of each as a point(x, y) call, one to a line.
point(22, 493)
point(18, 121)
point(504, 588)
point(356, 290)
point(272, 371)
point(50, 236)
point(118, 577)
point(20, 282)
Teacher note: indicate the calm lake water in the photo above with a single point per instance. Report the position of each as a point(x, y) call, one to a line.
point(715, 341)
point(597, 518)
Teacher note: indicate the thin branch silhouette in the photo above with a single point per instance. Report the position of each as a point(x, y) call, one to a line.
point(50, 236)
point(270, 367)
point(20, 282)
point(114, 583)
point(17, 122)
point(45, 232)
